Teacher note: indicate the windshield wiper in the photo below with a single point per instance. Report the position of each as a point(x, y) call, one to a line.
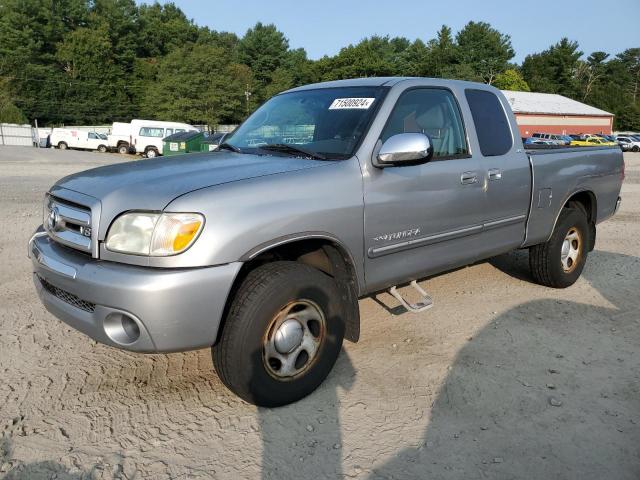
point(228, 146)
point(293, 149)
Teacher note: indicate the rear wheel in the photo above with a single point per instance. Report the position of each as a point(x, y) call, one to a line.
point(151, 153)
point(558, 262)
point(282, 335)
point(63, 145)
point(123, 149)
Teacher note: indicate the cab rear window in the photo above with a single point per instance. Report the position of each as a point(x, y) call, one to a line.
point(492, 125)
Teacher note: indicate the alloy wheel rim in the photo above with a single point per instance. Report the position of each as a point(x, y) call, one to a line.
point(293, 339)
point(571, 250)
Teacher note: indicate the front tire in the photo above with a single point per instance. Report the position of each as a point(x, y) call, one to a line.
point(102, 149)
point(282, 334)
point(635, 148)
point(558, 262)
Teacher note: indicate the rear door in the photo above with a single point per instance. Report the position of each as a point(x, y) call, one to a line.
point(421, 219)
point(505, 170)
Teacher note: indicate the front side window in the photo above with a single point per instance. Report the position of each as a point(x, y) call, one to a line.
point(152, 132)
point(328, 122)
point(434, 112)
point(490, 119)
point(93, 135)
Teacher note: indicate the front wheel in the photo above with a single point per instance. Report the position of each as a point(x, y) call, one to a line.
point(102, 149)
point(282, 334)
point(635, 148)
point(558, 262)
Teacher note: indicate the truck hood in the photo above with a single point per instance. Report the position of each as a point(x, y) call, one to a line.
point(152, 184)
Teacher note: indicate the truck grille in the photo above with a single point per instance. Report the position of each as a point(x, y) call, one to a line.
point(67, 297)
point(68, 223)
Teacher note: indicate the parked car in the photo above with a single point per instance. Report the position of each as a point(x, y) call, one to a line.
point(628, 143)
point(555, 139)
point(261, 249)
point(64, 138)
point(538, 141)
point(147, 135)
point(603, 140)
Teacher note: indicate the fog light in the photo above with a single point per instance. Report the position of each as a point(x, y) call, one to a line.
point(121, 328)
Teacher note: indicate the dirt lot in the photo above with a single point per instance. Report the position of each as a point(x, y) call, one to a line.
point(501, 379)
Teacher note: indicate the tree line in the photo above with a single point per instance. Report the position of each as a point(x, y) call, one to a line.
point(99, 61)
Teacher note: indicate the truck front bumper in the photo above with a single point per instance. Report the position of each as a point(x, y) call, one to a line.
point(134, 308)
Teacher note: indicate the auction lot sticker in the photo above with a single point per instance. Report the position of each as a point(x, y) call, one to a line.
point(349, 103)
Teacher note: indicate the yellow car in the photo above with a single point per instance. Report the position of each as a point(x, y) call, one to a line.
point(592, 142)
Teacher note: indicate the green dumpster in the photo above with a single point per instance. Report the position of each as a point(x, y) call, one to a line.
point(183, 142)
point(212, 141)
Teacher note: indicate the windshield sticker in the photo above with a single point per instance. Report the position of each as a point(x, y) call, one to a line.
point(351, 103)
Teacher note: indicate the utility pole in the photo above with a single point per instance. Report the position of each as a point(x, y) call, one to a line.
point(247, 94)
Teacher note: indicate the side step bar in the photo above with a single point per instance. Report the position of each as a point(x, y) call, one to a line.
point(425, 304)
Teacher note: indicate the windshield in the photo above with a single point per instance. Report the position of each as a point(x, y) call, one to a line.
point(329, 122)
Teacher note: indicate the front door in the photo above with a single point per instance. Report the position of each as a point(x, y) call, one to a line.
point(422, 219)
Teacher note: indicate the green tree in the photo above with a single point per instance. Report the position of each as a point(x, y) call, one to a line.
point(590, 72)
point(263, 49)
point(511, 79)
point(198, 83)
point(484, 49)
point(371, 57)
point(443, 54)
point(554, 69)
point(9, 112)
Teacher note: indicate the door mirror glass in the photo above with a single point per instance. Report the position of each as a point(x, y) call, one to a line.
point(404, 149)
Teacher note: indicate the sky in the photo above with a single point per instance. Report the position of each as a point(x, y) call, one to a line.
point(322, 27)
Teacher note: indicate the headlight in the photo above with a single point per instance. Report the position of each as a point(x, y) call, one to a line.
point(154, 234)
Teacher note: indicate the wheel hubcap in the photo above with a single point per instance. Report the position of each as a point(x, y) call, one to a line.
point(293, 339)
point(571, 250)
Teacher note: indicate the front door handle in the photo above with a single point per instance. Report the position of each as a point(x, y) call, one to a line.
point(495, 174)
point(468, 178)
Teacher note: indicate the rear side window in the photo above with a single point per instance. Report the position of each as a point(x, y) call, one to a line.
point(491, 122)
point(431, 111)
point(151, 132)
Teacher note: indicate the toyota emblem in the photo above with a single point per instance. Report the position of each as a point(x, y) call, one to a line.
point(54, 218)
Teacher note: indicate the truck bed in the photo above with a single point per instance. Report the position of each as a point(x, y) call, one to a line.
point(559, 172)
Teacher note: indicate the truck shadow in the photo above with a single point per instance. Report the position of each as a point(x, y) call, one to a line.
point(549, 389)
point(36, 470)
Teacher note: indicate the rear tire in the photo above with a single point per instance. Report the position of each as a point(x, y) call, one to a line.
point(151, 153)
point(123, 149)
point(63, 146)
point(558, 262)
point(245, 359)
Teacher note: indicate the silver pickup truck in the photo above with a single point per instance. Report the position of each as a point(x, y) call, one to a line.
point(326, 194)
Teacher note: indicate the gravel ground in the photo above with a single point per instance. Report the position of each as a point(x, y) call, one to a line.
point(501, 379)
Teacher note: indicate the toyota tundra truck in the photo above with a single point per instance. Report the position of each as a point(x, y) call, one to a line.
point(326, 194)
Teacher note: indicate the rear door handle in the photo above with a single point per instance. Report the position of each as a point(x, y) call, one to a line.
point(495, 174)
point(468, 178)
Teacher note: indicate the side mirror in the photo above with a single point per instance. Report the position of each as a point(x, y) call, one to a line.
point(404, 149)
